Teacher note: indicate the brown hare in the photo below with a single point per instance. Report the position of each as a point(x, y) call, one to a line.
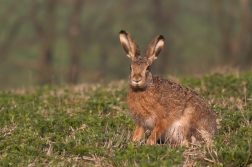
point(172, 112)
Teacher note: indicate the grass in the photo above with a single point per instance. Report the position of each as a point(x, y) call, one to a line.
point(90, 125)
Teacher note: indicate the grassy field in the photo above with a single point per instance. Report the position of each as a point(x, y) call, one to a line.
point(90, 125)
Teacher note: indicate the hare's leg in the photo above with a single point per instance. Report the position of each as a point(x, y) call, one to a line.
point(138, 133)
point(156, 133)
point(159, 128)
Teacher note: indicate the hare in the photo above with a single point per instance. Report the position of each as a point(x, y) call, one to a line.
point(173, 113)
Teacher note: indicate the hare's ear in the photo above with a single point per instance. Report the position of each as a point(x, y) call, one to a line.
point(154, 48)
point(129, 45)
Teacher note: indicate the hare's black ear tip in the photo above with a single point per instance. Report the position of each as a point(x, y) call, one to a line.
point(122, 32)
point(161, 37)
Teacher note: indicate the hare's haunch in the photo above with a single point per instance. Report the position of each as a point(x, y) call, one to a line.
point(174, 113)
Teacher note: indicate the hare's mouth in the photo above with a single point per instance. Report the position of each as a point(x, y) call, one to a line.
point(138, 85)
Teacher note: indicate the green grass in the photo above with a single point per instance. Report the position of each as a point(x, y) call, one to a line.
point(90, 125)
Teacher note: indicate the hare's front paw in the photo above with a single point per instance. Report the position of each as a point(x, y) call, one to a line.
point(138, 133)
point(150, 142)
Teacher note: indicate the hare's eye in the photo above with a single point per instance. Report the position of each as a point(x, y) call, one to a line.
point(130, 68)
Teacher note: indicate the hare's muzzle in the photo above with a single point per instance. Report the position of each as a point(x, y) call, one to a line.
point(136, 80)
point(136, 83)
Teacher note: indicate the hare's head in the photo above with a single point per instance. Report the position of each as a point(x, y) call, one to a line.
point(140, 75)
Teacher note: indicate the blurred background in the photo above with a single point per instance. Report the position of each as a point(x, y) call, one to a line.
point(75, 41)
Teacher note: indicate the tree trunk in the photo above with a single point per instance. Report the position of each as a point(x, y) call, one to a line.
point(75, 42)
point(47, 34)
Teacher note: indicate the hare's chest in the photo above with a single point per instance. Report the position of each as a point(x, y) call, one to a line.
point(145, 110)
point(148, 122)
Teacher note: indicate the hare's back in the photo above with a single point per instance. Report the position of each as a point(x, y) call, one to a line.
point(172, 92)
point(180, 99)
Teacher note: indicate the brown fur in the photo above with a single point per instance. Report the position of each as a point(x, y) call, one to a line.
point(173, 112)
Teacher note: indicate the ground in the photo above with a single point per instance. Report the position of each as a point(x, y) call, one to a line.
point(90, 125)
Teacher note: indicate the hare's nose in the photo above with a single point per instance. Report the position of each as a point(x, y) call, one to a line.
point(137, 80)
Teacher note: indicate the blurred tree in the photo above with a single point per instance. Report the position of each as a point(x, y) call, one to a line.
point(245, 38)
point(11, 36)
point(13, 30)
point(75, 41)
point(163, 17)
point(225, 21)
point(103, 55)
point(235, 41)
point(37, 35)
point(46, 32)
